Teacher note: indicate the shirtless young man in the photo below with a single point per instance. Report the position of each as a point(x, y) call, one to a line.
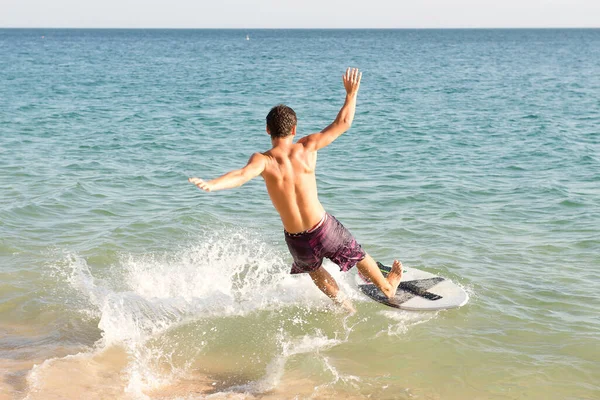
point(289, 173)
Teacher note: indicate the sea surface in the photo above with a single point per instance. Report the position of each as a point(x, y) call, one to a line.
point(475, 155)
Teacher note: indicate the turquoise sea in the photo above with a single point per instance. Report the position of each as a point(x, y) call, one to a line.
point(475, 155)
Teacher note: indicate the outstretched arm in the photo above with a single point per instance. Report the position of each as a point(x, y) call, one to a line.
point(233, 179)
point(344, 118)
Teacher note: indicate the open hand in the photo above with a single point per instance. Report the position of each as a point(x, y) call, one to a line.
point(207, 187)
point(352, 80)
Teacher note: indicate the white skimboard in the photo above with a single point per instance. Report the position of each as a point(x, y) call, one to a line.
point(418, 291)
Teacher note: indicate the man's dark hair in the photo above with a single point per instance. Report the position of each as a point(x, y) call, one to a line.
point(280, 121)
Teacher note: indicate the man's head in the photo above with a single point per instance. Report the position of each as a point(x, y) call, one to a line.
point(281, 121)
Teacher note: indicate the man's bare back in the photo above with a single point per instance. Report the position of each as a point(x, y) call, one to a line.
point(289, 175)
point(288, 169)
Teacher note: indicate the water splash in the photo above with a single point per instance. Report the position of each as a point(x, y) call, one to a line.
point(404, 321)
point(167, 313)
point(289, 347)
point(146, 296)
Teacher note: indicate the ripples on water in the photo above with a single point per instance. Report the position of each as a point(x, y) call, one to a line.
point(474, 154)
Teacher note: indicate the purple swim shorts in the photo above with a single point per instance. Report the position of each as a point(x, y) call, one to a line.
point(329, 239)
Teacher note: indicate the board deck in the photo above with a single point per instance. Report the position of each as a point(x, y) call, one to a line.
point(418, 291)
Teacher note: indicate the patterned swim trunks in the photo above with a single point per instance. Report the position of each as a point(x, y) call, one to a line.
point(328, 239)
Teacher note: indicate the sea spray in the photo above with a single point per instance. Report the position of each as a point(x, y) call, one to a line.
point(226, 295)
point(145, 298)
point(404, 321)
point(289, 347)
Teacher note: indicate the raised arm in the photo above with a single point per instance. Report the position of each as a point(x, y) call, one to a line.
point(233, 179)
point(344, 119)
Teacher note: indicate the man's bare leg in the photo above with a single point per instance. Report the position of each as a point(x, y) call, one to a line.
point(368, 267)
point(329, 286)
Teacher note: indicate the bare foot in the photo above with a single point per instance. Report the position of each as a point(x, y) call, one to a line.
point(344, 303)
point(394, 278)
point(348, 307)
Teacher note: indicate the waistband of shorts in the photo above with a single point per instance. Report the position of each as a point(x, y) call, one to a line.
point(311, 230)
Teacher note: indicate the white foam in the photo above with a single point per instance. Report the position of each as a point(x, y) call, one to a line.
point(225, 273)
point(289, 347)
point(145, 295)
point(405, 320)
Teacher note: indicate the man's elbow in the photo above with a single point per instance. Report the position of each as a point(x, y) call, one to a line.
point(345, 125)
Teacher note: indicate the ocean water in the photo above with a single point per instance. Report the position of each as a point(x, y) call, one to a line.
point(475, 155)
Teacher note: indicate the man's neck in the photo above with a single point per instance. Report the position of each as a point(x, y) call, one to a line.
point(282, 142)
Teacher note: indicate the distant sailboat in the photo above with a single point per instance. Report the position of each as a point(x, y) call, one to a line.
point(247, 37)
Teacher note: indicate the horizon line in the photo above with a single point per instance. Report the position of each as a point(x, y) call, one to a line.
point(313, 28)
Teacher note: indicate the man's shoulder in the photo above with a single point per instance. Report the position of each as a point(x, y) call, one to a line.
point(304, 140)
point(257, 159)
point(308, 142)
point(264, 154)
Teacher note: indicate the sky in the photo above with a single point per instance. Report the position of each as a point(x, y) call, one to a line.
point(299, 13)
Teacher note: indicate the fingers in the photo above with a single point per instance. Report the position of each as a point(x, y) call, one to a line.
point(352, 75)
point(351, 80)
point(200, 184)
